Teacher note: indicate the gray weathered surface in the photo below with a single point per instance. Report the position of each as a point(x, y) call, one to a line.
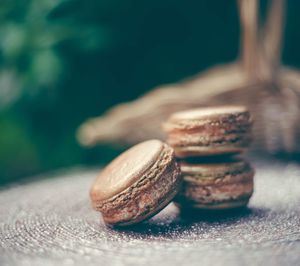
point(50, 222)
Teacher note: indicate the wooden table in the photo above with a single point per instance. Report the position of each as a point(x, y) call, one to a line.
point(50, 222)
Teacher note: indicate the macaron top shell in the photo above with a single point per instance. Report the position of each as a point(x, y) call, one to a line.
point(210, 115)
point(125, 170)
point(208, 112)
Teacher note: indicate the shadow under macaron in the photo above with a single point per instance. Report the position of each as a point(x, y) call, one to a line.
point(173, 221)
point(195, 215)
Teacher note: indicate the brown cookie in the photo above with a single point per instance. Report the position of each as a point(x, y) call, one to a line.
point(137, 184)
point(209, 131)
point(216, 185)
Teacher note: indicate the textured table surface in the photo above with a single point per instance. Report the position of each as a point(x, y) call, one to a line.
point(50, 222)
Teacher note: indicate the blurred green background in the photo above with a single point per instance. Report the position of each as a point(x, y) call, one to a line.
point(64, 61)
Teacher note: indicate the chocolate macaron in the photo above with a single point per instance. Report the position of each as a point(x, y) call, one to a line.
point(215, 186)
point(137, 184)
point(209, 131)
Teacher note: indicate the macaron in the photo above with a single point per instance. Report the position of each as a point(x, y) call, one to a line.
point(215, 186)
point(209, 131)
point(137, 184)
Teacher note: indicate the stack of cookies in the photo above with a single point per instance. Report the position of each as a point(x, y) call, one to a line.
point(144, 179)
point(206, 140)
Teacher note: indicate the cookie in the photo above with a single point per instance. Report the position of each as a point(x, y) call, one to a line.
point(137, 184)
point(209, 131)
point(216, 185)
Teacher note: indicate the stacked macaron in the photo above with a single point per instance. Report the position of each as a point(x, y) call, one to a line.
point(212, 179)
